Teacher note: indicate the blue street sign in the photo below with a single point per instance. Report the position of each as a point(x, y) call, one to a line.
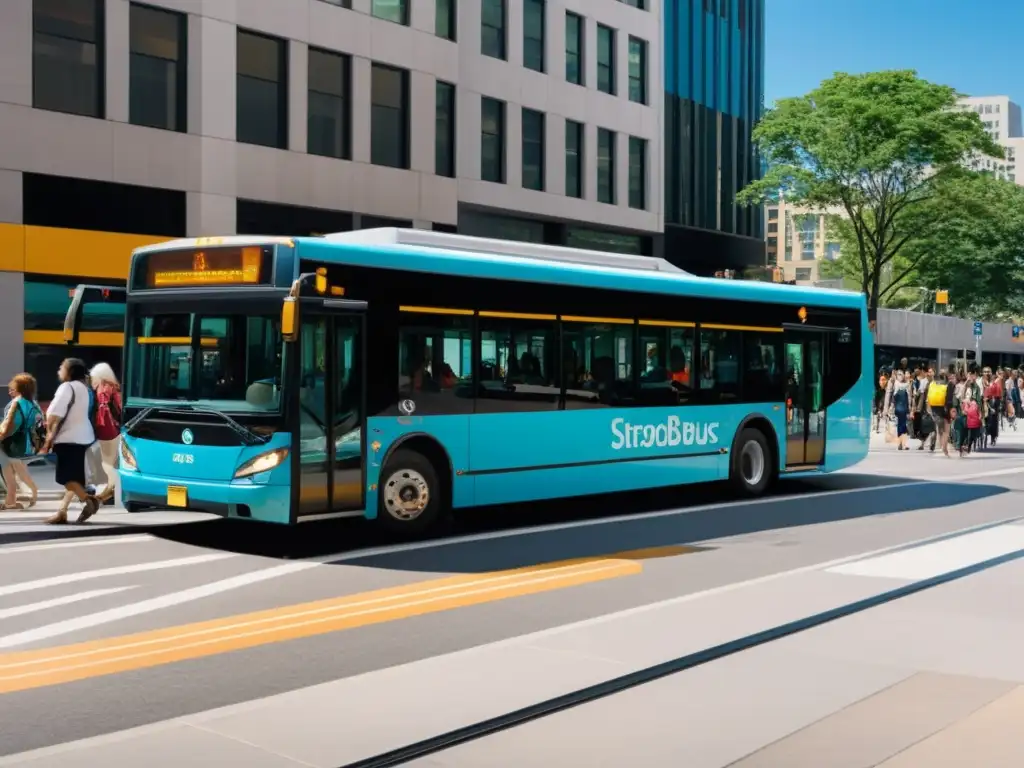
point(977, 327)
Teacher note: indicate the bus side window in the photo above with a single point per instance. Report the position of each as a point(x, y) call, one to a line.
point(598, 364)
point(435, 362)
point(518, 365)
point(763, 367)
point(719, 365)
point(666, 354)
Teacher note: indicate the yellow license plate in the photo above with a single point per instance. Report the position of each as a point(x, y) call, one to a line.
point(177, 496)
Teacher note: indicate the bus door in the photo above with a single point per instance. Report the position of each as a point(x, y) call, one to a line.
point(329, 394)
point(88, 294)
point(805, 412)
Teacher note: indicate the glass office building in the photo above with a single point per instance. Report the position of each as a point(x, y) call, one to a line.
point(714, 94)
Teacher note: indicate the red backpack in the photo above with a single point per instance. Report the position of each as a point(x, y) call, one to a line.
point(107, 424)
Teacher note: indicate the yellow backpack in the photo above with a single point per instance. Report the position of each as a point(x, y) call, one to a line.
point(937, 395)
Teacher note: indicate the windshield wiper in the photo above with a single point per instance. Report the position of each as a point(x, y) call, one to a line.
point(134, 422)
point(247, 435)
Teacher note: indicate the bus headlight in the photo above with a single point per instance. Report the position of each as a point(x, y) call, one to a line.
point(262, 463)
point(127, 457)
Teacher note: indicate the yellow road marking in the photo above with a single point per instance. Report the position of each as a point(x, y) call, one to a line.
point(52, 666)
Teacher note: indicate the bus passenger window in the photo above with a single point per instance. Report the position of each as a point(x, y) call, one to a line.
point(518, 365)
point(763, 367)
point(719, 364)
point(667, 364)
point(597, 364)
point(435, 362)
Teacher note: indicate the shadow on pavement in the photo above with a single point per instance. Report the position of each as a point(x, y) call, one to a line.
point(684, 521)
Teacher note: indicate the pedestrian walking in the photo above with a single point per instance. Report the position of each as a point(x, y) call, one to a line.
point(20, 438)
point(69, 434)
point(901, 409)
point(108, 424)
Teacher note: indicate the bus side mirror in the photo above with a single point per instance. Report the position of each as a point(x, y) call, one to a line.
point(290, 318)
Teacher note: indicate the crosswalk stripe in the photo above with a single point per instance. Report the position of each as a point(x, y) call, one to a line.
point(84, 542)
point(21, 610)
point(73, 578)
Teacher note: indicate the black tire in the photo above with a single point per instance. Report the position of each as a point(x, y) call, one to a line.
point(750, 449)
point(409, 479)
point(134, 506)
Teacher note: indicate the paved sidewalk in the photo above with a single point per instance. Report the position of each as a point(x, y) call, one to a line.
point(29, 524)
point(1007, 437)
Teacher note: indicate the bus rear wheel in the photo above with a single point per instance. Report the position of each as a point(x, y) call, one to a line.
point(750, 469)
point(410, 499)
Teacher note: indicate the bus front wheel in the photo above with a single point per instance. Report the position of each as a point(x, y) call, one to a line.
point(750, 469)
point(410, 496)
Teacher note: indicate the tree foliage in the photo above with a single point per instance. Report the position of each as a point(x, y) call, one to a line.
point(878, 146)
point(970, 242)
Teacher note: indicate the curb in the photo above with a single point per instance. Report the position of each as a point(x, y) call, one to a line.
point(72, 532)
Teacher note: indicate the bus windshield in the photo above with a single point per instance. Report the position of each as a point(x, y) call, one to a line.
point(228, 362)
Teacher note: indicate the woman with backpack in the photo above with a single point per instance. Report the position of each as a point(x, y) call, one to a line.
point(107, 423)
point(21, 434)
point(69, 434)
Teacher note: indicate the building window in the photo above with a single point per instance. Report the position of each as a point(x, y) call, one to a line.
point(773, 226)
point(605, 166)
point(533, 35)
point(573, 158)
point(444, 19)
point(492, 140)
point(492, 29)
point(803, 273)
point(605, 59)
point(533, 149)
point(391, 10)
point(773, 214)
point(444, 141)
point(67, 56)
point(637, 173)
point(389, 116)
point(637, 70)
point(773, 242)
point(330, 99)
point(574, 48)
point(262, 98)
point(157, 68)
point(641, 4)
point(518, 364)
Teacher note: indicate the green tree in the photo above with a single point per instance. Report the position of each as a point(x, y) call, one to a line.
point(977, 249)
point(970, 242)
point(876, 146)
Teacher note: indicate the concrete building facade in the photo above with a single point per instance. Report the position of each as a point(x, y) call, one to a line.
point(123, 124)
point(797, 242)
point(1002, 119)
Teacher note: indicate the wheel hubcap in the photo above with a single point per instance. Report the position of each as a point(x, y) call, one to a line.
point(752, 463)
point(406, 494)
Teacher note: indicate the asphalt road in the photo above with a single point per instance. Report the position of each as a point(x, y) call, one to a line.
point(367, 605)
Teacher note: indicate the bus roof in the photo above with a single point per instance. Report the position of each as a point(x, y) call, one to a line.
point(237, 241)
point(461, 255)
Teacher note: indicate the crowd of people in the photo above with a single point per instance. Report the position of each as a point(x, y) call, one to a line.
point(963, 409)
point(80, 429)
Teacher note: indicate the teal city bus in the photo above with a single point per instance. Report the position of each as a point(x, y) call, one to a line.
point(399, 374)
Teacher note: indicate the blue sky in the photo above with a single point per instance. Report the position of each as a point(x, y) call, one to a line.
point(964, 44)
